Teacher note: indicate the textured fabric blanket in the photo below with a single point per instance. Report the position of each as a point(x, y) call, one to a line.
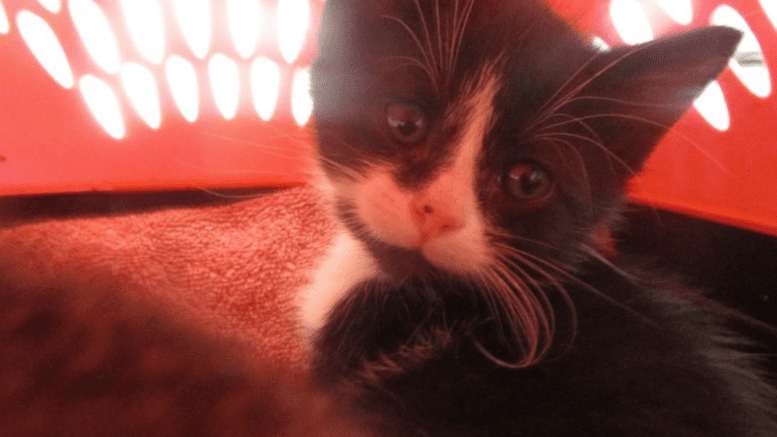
point(231, 267)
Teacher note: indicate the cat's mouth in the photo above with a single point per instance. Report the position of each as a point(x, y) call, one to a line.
point(401, 263)
point(415, 231)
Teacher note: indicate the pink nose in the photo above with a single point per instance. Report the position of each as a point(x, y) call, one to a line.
point(434, 219)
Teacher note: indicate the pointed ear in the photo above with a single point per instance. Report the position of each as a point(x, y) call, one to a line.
point(641, 91)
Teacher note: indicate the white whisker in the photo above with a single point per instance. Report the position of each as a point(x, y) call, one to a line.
point(609, 153)
point(599, 257)
point(544, 111)
point(574, 279)
point(460, 27)
point(422, 16)
point(439, 31)
point(428, 61)
point(653, 123)
point(570, 120)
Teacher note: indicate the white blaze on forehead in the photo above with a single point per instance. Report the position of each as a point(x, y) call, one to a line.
point(390, 212)
point(475, 113)
point(465, 250)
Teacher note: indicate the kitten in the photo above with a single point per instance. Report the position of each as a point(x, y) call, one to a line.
point(476, 155)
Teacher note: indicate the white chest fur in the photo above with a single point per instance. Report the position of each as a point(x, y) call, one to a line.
point(347, 263)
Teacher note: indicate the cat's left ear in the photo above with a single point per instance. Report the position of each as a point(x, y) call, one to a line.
point(641, 91)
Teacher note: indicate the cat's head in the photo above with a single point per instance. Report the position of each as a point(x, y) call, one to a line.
point(485, 138)
point(488, 141)
point(470, 131)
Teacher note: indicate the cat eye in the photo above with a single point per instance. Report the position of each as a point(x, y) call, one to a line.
point(529, 182)
point(406, 122)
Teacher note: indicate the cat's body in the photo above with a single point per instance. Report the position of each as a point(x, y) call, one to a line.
point(642, 362)
point(477, 154)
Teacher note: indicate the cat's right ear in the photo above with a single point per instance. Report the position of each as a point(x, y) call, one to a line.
point(647, 88)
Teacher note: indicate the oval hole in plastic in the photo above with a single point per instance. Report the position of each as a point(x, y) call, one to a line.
point(52, 6)
point(45, 46)
point(748, 62)
point(711, 104)
point(144, 22)
point(103, 104)
point(680, 11)
point(141, 90)
point(183, 84)
point(630, 21)
point(293, 20)
point(244, 25)
point(265, 85)
point(195, 21)
point(5, 26)
point(96, 33)
point(225, 84)
point(770, 8)
point(301, 102)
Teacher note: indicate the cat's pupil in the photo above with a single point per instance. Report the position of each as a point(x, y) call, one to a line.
point(406, 122)
point(529, 182)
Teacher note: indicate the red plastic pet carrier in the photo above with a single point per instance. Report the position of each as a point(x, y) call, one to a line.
point(139, 95)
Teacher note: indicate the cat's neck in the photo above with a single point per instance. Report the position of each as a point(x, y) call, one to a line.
point(346, 264)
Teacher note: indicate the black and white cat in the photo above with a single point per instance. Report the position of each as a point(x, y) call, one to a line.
point(476, 155)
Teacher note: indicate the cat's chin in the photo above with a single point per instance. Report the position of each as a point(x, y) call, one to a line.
point(461, 253)
point(452, 255)
point(400, 264)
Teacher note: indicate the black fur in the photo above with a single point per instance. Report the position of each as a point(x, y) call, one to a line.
point(420, 351)
point(643, 362)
